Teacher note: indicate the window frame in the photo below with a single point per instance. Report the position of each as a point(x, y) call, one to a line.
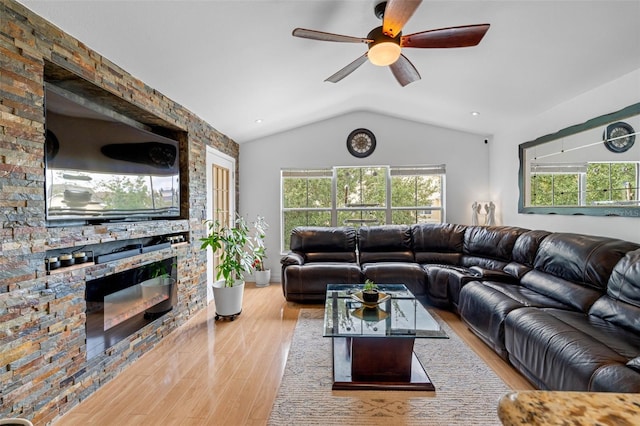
point(388, 209)
point(581, 171)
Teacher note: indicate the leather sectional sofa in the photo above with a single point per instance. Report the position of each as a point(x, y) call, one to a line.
point(563, 309)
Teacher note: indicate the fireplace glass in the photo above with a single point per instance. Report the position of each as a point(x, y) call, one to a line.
point(120, 304)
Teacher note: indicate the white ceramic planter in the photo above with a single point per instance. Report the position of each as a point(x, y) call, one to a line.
point(262, 278)
point(228, 300)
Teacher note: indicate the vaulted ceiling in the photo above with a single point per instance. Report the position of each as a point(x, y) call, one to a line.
point(233, 62)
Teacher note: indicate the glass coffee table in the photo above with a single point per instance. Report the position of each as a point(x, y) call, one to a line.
point(373, 343)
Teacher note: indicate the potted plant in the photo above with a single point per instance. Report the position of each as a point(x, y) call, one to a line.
point(262, 275)
point(370, 291)
point(237, 252)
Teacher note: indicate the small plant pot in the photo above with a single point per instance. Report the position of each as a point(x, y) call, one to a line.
point(262, 278)
point(370, 296)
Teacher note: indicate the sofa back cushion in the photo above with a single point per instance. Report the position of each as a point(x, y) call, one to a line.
point(385, 243)
point(583, 259)
point(325, 244)
point(526, 247)
point(524, 252)
point(621, 304)
point(489, 246)
point(437, 242)
point(569, 293)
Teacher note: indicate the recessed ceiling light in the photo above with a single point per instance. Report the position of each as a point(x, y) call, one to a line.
point(259, 120)
point(475, 113)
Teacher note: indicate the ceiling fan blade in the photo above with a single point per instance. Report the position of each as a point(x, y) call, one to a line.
point(404, 71)
point(396, 14)
point(465, 36)
point(319, 35)
point(348, 69)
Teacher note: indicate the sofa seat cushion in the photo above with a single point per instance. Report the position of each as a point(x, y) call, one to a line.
point(410, 274)
point(564, 349)
point(483, 262)
point(445, 281)
point(485, 305)
point(308, 283)
point(484, 310)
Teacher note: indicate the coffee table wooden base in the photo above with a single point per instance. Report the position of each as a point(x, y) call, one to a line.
point(354, 371)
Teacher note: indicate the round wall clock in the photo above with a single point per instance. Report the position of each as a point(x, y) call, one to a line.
point(361, 143)
point(619, 137)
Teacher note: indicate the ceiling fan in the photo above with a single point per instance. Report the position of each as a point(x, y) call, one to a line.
point(386, 42)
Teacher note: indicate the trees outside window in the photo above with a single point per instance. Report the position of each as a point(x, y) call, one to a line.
point(596, 184)
point(607, 182)
point(306, 199)
point(357, 196)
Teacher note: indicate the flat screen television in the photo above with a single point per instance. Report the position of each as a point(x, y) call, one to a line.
point(100, 169)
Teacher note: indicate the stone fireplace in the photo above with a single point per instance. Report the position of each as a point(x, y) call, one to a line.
point(120, 304)
point(45, 370)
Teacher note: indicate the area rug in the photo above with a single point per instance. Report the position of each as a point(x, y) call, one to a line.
point(467, 390)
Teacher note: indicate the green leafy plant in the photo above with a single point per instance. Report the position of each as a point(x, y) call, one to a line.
point(240, 245)
point(260, 227)
point(369, 285)
point(370, 291)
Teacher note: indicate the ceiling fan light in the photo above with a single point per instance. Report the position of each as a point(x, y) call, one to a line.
point(385, 53)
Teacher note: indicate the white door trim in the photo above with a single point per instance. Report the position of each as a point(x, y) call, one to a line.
point(215, 157)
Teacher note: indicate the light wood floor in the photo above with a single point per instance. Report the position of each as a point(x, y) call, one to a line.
point(222, 373)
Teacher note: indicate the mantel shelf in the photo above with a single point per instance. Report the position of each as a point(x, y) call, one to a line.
point(62, 269)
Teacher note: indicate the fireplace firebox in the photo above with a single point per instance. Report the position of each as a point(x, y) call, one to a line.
point(120, 304)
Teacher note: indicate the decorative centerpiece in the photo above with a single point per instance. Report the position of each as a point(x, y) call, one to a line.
point(369, 296)
point(370, 292)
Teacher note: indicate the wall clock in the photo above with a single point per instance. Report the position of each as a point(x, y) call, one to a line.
point(619, 137)
point(361, 143)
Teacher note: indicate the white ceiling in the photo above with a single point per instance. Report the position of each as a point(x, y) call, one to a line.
point(232, 62)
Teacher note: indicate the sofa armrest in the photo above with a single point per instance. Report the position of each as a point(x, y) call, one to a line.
point(634, 363)
point(292, 258)
point(492, 274)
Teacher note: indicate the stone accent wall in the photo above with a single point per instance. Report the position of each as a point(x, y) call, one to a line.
point(43, 367)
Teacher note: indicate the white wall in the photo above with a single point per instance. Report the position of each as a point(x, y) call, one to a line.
point(323, 144)
point(608, 98)
point(475, 170)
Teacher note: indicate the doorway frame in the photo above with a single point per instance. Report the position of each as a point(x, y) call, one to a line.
point(217, 158)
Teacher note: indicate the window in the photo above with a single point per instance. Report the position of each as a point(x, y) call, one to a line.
point(584, 184)
point(306, 199)
point(417, 194)
point(612, 182)
point(357, 196)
